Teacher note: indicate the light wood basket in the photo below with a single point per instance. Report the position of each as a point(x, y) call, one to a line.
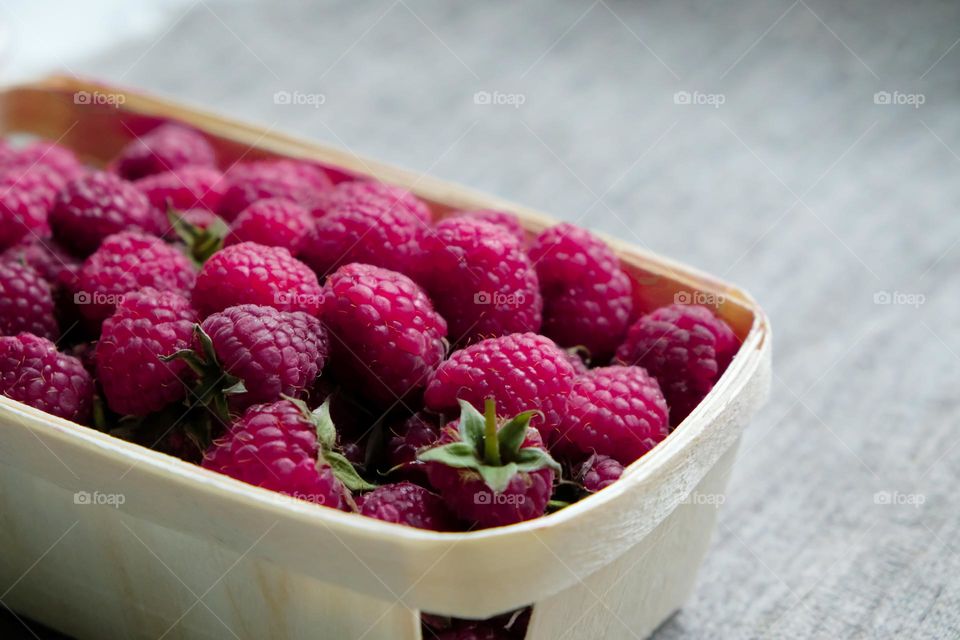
point(193, 554)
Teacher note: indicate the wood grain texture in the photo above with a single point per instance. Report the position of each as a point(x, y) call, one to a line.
point(798, 187)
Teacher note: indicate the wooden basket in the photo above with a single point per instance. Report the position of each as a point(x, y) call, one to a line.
point(102, 538)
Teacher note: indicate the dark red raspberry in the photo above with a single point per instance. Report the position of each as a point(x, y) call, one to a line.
point(146, 326)
point(26, 302)
point(481, 280)
point(294, 180)
point(348, 193)
point(166, 148)
point(25, 202)
point(409, 504)
point(97, 205)
point(586, 295)
point(599, 472)
point(615, 411)
point(370, 231)
point(471, 468)
point(275, 446)
point(54, 265)
point(522, 371)
point(250, 273)
point(32, 371)
point(508, 221)
point(274, 222)
point(184, 189)
point(60, 164)
point(271, 352)
point(406, 439)
point(386, 337)
point(128, 262)
point(686, 348)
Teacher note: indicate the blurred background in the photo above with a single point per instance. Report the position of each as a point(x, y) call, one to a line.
point(805, 150)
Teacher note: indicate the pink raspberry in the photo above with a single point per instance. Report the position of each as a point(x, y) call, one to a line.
point(522, 371)
point(686, 348)
point(60, 164)
point(275, 446)
point(586, 295)
point(54, 265)
point(507, 221)
point(386, 337)
point(166, 148)
point(127, 262)
point(25, 202)
point(274, 222)
point(481, 280)
point(408, 504)
point(599, 472)
point(97, 205)
point(370, 231)
point(346, 194)
point(406, 439)
point(26, 302)
point(184, 189)
point(271, 352)
point(33, 372)
point(146, 326)
point(294, 180)
point(503, 475)
point(250, 273)
point(615, 411)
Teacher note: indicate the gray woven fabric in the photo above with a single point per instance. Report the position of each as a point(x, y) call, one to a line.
point(784, 173)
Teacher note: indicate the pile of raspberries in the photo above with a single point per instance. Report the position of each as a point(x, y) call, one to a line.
point(332, 340)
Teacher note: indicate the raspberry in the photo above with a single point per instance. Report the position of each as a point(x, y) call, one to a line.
point(60, 164)
point(26, 302)
point(490, 474)
point(275, 446)
point(25, 202)
point(348, 193)
point(250, 273)
point(615, 411)
point(128, 262)
point(686, 348)
point(166, 148)
point(407, 439)
point(146, 326)
point(53, 264)
point(95, 206)
point(184, 189)
point(387, 339)
point(294, 180)
point(599, 472)
point(522, 371)
point(409, 504)
point(32, 371)
point(586, 295)
point(507, 221)
point(372, 231)
point(271, 352)
point(481, 280)
point(273, 222)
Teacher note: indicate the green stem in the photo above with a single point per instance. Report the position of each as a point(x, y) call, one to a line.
point(491, 444)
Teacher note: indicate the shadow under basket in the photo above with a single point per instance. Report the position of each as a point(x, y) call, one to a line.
point(102, 538)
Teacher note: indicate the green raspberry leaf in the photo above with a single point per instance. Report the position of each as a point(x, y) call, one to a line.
point(497, 478)
point(345, 472)
point(512, 434)
point(534, 459)
point(326, 430)
point(471, 425)
point(456, 454)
